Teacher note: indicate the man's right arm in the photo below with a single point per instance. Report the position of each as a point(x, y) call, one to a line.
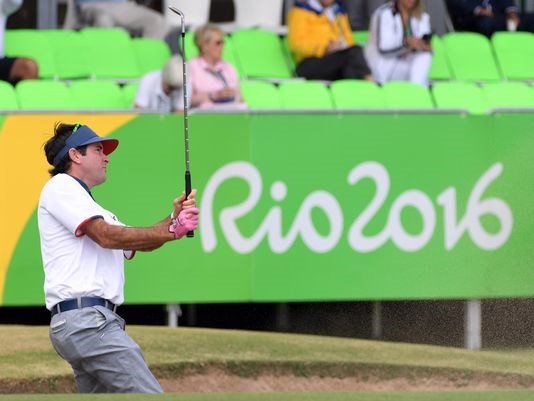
point(122, 237)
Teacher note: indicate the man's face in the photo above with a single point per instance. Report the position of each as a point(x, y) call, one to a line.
point(93, 165)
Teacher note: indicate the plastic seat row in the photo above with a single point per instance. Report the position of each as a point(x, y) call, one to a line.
point(90, 52)
point(355, 94)
point(110, 53)
point(56, 95)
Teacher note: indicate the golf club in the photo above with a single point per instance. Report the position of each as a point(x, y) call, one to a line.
point(190, 234)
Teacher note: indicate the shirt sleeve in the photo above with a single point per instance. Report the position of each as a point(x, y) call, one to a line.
point(71, 205)
point(143, 93)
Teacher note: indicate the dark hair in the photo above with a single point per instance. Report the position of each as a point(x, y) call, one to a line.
point(54, 145)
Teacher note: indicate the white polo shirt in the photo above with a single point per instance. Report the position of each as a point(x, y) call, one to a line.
point(74, 264)
point(150, 94)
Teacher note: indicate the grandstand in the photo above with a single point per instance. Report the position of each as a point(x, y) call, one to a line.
point(96, 70)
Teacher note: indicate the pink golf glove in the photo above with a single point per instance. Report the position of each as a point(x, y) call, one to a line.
point(186, 221)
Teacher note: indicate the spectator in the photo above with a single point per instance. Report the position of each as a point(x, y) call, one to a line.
point(214, 82)
point(399, 42)
point(321, 41)
point(125, 14)
point(360, 12)
point(489, 16)
point(162, 90)
point(13, 69)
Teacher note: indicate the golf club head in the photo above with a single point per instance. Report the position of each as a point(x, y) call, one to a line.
point(182, 17)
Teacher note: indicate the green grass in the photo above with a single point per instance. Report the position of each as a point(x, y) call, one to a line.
point(510, 395)
point(29, 364)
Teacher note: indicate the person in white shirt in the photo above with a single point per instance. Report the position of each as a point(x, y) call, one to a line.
point(162, 90)
point(83, 247)
point(14, 69)
point(399, 45)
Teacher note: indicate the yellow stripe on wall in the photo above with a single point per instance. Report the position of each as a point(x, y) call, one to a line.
point(24, 169)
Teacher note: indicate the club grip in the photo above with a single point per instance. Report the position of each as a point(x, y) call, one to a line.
point(190, 234)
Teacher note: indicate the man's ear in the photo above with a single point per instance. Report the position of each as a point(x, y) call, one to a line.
point(74, 155)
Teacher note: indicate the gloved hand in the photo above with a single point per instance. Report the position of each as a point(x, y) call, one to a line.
point(187, 220)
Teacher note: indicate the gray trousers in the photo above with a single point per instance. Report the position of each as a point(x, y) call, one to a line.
point(130, 16)
point(103, 357)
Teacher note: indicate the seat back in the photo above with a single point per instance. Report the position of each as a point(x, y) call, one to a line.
point(260, 95)
point(8, 97)
point(259, 53)
point(470, 57)
point(30, 43)
point(265, 14)
point(305, 95)
point(111, 53)
point(440, 64)
point(509, 94)
point(460, 95)
point(128, 92)
point(151, 54)
point(357, 94)
point(514, 52)
point(406, 95)
point(96, 95)
point(43, 95)
point(70, 53)
point(360, 37)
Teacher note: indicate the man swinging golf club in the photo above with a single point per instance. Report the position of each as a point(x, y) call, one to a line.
point(83, 248)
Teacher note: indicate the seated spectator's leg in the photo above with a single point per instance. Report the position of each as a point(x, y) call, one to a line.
point(328, 67)
point(134, 17)
point(488, 25)
point(98, 15)
point(23, 68)
point(527, 23)
point(420, 64)
point(355, 65)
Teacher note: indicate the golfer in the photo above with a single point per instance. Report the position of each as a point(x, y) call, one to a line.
point(83, 248)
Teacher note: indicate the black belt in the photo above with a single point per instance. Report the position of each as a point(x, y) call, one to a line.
point(83, 302)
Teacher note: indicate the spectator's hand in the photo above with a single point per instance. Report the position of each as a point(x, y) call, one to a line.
point(333, 46)
point(514, 17)
point(223, 94)
point(484, 12)
point(417, 43)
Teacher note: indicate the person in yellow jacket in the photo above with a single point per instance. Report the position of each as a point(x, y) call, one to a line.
point(321, 42)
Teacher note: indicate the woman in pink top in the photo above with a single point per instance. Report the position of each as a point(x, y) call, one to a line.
point(213, 80)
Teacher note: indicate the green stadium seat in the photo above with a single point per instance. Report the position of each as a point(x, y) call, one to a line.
point(8, 97)
point(305, 95)
point(470, 57)
point(360, 37)
point(43, 95)
point(406, 95)
point(509, 95)
point(260, 95)
point(96, 95)
point(111, 53)
point(31, 43)
point(129, 91)
point(357, 94)
point(460, 95)
point(514, 52)
point(69, 52)
point(288, 54)
point(440, 65)
point(151, 54)
point(191, 49)
point(260, 55)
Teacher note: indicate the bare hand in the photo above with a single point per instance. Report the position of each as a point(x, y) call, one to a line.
point(333, 46)
point(226, 93)
point(417, 43)
point(181, 202)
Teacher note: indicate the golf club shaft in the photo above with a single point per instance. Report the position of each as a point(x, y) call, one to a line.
point(190, 234)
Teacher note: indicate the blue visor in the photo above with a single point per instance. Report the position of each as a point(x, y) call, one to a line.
point(83, 135)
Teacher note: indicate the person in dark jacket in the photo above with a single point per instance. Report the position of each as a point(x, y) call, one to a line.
point(489, 16)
